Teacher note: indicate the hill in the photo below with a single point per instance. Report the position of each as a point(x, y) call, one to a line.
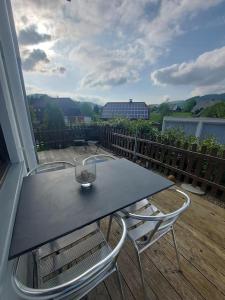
point(201, 102)
point(205, 101)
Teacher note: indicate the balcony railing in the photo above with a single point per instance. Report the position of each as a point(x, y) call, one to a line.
point(204, 167)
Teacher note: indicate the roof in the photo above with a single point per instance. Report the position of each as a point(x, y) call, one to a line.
point(67, 105)
point(131, 110)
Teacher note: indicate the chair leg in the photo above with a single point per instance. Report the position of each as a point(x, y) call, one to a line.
point(120, 283)
point(141, 272)
point(175, 246)
point(109, 228)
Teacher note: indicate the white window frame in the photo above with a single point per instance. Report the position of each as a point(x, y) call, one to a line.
point(16, 127)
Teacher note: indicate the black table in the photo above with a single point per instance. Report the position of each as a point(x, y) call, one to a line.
point(52, 204)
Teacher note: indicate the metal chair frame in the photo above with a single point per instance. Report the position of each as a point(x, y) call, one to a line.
point(87, 280)
point(50, 166)
point(163, 223)
point(98, 156)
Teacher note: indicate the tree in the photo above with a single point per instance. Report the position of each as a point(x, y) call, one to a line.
point(215, 111)
point(189, 104)
point(96, 109)
point(32, 115)
point(86, 109)
point(164, 110)
point(53, 117)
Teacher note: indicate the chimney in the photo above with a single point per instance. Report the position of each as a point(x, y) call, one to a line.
point(130, 100)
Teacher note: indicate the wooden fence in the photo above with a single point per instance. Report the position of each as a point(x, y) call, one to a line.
point(55, 139)
point(203, 168)
point(187, 163)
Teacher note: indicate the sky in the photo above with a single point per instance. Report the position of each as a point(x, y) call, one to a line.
point(114, 50)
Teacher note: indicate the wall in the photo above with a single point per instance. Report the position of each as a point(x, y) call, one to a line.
point(199, 127)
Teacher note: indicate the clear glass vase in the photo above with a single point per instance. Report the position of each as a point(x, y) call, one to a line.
point(85, 174)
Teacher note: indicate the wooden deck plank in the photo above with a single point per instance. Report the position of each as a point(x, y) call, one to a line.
point(151, 274)
point(208, 290)
point(113, 290)
point(198, 217)
point(201, 244)
point(99, 293)
point(201, 255)
point(170, 271)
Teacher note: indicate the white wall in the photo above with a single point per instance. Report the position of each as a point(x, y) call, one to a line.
point(200, 127)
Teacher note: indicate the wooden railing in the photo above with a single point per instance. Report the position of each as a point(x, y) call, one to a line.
point(55, 139)
point(204, 167)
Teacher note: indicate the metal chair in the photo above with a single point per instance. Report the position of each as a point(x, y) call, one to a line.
point(50, 166)
point(146, 224)
point(72, 270)
point(98, 158)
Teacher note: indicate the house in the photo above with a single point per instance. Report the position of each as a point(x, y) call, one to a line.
point(130, 110)
point(70, 108)
point(175, 108)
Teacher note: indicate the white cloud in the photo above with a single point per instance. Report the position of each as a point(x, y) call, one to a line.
point(131, 34)
point(210, 89)
point(206, 73)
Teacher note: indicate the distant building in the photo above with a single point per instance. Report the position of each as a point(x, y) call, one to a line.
point(130, 110)
point(70, 109)
point(175, 108)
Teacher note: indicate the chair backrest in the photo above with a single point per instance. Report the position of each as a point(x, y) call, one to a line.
point(162, 222)
point(51, 166)
point(74, 285)
point(98, 158)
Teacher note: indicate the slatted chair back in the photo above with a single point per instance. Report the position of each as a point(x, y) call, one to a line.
point(93, 275)
point(50, 166)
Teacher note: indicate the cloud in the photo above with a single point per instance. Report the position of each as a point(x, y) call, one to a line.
point(32, 89)
point(211, 89)
point(38, 61)
point(34, 59)
point(106, 68)
point(110, 78)
point(60, 70)
point(131, 34)
point(204, 73)
point(30, 36)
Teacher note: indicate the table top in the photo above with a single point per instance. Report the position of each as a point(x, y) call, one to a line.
point(53, 204)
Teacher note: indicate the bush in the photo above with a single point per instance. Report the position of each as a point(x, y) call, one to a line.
point(215, 111)
point(145, 127)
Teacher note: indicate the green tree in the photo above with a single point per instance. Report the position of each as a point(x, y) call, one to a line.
point(32, 115)
point(164, 110)
point(86, 109)
point(189, 104)
point(96, 109)
point(215, 111)
point(53, 117)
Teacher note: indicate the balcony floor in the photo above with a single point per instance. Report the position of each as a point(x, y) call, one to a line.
point(200, 236)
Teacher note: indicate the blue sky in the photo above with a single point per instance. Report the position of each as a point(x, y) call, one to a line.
point(98, 50)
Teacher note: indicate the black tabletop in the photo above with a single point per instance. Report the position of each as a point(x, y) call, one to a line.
point(52, 204)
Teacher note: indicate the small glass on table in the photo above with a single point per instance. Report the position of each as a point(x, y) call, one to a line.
point(85, 174)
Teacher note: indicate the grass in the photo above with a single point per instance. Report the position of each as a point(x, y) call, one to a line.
point(156, 117)
point(182, 114)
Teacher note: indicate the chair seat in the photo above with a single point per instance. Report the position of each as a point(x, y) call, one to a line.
point(137, 229)
point(70, 256)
